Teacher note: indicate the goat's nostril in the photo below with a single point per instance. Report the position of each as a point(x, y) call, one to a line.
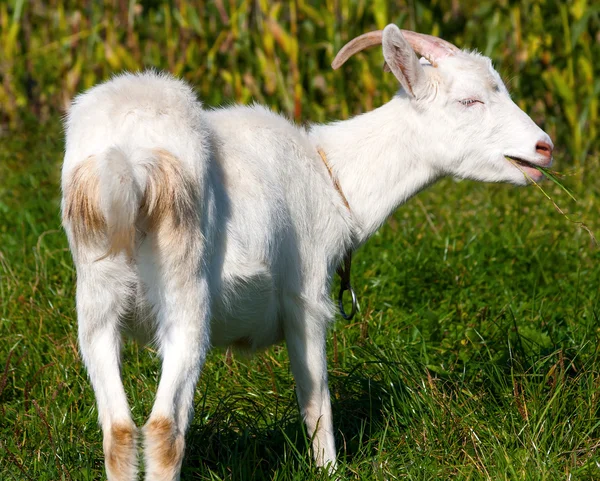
point(544, 149)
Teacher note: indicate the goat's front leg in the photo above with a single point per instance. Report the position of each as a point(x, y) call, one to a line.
point(305, 338)
point(183, 338)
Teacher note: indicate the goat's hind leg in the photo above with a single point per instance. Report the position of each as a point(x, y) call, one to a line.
point(182, 303)
point(175, 274)
point(104, 293)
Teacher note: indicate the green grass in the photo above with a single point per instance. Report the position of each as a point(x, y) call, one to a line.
point(475, 355)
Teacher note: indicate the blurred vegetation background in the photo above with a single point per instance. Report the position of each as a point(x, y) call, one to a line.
point(279, 53)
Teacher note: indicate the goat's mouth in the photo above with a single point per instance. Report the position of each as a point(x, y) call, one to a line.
point(531, 171)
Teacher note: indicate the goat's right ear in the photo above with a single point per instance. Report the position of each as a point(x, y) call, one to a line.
point(402, 60)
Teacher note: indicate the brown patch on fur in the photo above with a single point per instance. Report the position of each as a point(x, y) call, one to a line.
point(164, 448)
point(170, 202)
point(120, 451)
point(81, 208)
point(169, 207)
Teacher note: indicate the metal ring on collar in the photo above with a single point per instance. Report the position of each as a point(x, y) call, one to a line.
point(341, 302)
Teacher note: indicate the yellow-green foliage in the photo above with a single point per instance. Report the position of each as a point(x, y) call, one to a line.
point(279, 53)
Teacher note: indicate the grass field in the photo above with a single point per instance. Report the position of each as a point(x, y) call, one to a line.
point(475, 355)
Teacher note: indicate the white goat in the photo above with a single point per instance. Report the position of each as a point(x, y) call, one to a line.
point(224, 227)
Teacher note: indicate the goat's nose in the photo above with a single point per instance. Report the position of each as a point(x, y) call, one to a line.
point(544, 148)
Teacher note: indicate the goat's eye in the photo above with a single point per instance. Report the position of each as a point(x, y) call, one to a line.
point(470, 102)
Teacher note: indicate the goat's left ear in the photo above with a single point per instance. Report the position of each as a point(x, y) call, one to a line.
point(402, 60)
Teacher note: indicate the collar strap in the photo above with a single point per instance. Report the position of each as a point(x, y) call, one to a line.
point(336, 183)
point(344, 269)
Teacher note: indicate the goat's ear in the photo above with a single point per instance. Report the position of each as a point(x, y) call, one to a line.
point(402, 60)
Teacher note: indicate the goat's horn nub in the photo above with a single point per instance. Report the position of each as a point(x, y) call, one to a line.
point(428, 46)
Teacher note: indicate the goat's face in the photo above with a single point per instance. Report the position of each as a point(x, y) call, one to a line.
point(477, 131)
point(461, 106)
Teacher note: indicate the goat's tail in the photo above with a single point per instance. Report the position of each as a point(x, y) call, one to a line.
point(120, 197)
point(109, 196)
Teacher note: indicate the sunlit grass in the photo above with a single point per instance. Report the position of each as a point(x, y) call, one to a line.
point(474, 357)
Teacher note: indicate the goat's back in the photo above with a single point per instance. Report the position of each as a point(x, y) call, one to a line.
point(135, 111)
point(137, 151)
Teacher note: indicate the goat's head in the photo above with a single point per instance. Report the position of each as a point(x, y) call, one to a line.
point(474, 129)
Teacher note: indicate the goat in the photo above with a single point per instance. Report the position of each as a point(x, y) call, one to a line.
point(193, 227)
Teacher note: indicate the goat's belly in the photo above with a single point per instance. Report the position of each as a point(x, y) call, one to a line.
point(245, 313)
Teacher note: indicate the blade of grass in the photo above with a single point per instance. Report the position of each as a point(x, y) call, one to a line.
point(551, 175)
point(563, 213)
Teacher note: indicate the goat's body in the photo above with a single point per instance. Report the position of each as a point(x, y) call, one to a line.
point(194, 228)
point(253, 263)
point(258, 257)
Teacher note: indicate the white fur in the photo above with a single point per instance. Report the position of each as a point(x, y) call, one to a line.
point(258, 261)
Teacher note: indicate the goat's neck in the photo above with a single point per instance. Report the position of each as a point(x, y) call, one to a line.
point(380, 161)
